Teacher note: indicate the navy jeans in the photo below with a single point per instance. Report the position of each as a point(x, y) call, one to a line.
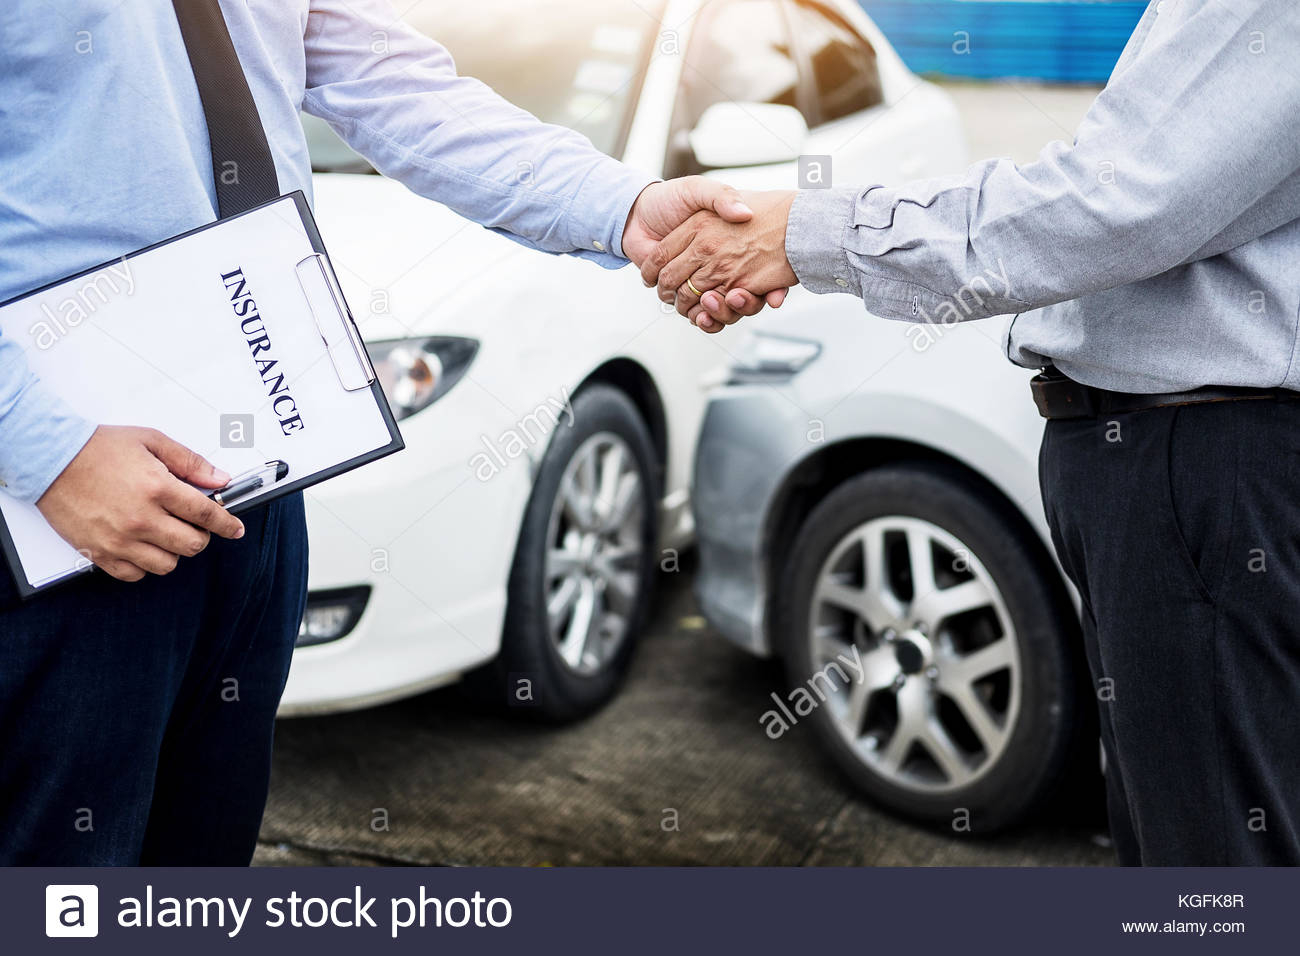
point(1181, 529)
point(136, 719)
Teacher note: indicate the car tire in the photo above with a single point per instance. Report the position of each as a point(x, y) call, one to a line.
point(942, 743)
point(538, 673)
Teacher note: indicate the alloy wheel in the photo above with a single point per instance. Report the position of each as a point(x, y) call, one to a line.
point(594, 553)
point(933, 692)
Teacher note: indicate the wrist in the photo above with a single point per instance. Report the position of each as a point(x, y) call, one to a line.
point(784, 203)
point(817, 222)
point(601, 209)
point(633, 213)
point(39, 437)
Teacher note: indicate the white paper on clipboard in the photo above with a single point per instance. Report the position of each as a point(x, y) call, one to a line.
point(234, 340)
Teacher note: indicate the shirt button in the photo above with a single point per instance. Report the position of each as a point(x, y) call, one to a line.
point(598, 246)
point(842, 283)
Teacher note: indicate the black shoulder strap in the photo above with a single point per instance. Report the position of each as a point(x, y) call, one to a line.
point(241, 159)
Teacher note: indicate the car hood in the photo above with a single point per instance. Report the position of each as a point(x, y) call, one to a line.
point(407, 265)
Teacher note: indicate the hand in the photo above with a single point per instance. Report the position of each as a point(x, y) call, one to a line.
point(726, 262)
point(124, 502)
point(663, 207)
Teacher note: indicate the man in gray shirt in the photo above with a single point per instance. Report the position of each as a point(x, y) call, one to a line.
point(1154, 265)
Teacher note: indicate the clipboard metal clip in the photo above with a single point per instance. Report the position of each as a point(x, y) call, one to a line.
point(337, 328)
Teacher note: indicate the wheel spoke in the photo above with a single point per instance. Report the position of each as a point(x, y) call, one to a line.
point(623, 502)
point(976, 713)
point(587, 471)
point(920, 562)
point(620, 590)
point(881, 610)
point(867, 604)
point(581, 489)
point(981, 663)
point(913, 714)
point(882, 605)
point(621, 559)
point(936, 606)
point(896, 751)
point(873, 561)
point(613, 627)
point(857, 708)
point(590, 655)
point(561, 602)
point(560, 563)
point(611, 472)
point(576, 502)
point(940, 747)
point(835, 591)
point(829, 644)
point(584, 621)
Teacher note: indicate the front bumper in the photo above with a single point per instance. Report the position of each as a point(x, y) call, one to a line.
point(750, 439)
point(434, 545)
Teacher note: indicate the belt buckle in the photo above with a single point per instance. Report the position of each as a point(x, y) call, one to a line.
point(1059, 397)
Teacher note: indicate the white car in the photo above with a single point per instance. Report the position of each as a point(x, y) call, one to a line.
point(550, 408)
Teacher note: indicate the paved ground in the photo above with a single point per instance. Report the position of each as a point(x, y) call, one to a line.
point(683, 742)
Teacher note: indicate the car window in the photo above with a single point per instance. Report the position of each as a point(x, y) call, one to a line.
point(844, 71)
point(575, 63)
point(743, 55)
point(739, 52)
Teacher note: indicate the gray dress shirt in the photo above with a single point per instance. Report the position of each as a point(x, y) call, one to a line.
point(1158, 252)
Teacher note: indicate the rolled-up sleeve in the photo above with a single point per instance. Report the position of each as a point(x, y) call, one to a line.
point(1178, 148)
point(452, 139)
point(39, 434)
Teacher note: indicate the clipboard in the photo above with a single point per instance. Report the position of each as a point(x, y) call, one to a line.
point(234, 338)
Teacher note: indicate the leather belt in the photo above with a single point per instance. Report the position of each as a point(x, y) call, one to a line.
point(1060, 397)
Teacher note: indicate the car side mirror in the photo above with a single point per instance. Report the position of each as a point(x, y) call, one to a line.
point(748, 134)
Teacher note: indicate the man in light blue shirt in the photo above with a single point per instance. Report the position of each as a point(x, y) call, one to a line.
point(110, 691)
point(1154, 263)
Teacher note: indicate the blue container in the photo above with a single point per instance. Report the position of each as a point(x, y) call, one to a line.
point(1062, 41)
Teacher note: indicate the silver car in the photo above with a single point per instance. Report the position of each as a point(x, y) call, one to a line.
point(867, 511)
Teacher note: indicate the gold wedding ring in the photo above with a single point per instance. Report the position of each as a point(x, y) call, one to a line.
point(694, 291)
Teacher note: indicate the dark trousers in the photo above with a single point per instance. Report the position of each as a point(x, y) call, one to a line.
point(1180, 527)
point(136, 719)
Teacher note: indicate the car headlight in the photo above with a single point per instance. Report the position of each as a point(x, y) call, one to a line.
point(417, 372)
point(331, 615)
point(767, 359)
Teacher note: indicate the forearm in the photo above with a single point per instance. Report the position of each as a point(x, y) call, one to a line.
point(39, 434)
point(452, 139)
point(1167, 167)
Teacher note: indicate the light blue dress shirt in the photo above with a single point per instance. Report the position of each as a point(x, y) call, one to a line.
point(1158, 252)
point(103, 150)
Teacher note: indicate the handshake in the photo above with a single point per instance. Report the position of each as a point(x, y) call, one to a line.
point(714, 253)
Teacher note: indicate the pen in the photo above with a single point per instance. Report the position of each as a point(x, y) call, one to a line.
point(250, 481)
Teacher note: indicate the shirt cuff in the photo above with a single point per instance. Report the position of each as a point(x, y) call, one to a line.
point(599, 212)
point(815, 234)
point(39, 436)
